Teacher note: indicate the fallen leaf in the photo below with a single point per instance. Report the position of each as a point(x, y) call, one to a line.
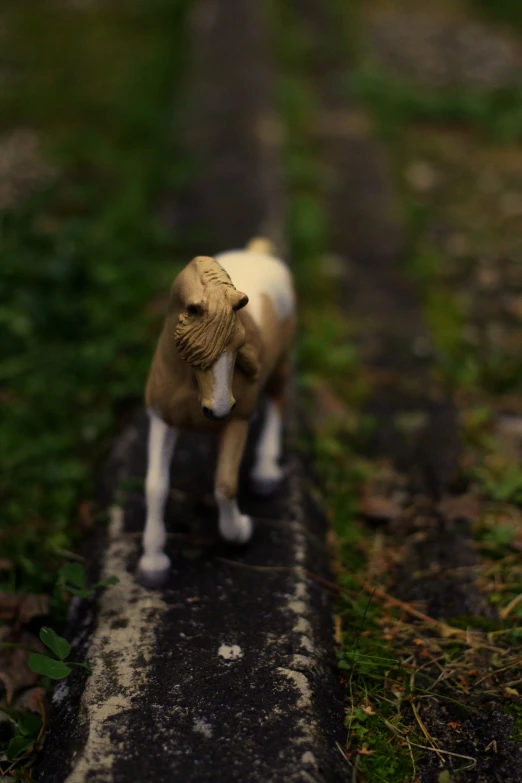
point(86, 515)
point(15, 673)
point(365, 752)
point(454, 724)
point(32, 700)
point(465, 507)
point(368, 710)
point(20, 608)
point(9, 603)
point(382, 508)
point(33, 605)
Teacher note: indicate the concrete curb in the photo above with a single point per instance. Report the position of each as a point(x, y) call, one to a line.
point(228, 673)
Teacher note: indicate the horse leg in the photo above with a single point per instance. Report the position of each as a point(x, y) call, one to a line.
point(267, 473)
point(162, 440)
point(233, 526)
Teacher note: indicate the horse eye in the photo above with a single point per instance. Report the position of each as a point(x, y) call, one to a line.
point(194, 309)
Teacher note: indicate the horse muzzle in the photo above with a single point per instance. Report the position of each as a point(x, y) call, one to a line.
point(211, 414)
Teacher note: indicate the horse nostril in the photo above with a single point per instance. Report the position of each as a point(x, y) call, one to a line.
point(208, 413)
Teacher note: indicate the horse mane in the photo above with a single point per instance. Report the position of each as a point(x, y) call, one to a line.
point(201, 337)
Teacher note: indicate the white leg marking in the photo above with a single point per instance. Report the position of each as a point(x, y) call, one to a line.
point(267, 473)
point(162, 440)
point(222, 372)
point(233, 525)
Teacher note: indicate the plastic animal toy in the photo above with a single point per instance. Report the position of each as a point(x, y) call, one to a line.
point(226, 337)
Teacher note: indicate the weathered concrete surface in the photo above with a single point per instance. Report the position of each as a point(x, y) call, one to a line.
point(233, 128)
point(228, 673)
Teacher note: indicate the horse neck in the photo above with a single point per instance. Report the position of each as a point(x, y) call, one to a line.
point(253, 344)
point(252, 331)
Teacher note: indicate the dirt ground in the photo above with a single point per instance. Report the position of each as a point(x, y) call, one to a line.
point(424, 223)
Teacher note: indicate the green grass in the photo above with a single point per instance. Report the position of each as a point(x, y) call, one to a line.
point(496, 114)
point(388, 661)
point(82, 259)
point(377, 713)
point(506, 11)
point(328, 354)
point(515, 711)
point(492, 118)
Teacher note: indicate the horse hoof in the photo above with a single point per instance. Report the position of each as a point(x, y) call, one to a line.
point(241, 533)
point(264, 487)
point(266, 483)
point(154, 570)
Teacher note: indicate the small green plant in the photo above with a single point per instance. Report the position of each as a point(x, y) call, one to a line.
point(500, 479)
point(73, 579)
point(27, 732)
point(75, 314)
point(55, 668)
point(54, 664)
point(75, 318)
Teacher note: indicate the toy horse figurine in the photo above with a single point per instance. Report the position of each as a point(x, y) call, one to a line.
point(220, 346)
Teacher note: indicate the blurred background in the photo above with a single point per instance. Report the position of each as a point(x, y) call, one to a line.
point(88, 93)
point(400, 128)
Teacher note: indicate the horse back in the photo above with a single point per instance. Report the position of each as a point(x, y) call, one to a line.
point(268, 283)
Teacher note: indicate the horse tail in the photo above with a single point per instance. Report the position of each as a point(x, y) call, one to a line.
point(261, 245)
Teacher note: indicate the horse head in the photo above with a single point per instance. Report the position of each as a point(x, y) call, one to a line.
point(208, 333)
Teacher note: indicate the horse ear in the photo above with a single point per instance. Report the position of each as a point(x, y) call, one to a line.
point(238, 300)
